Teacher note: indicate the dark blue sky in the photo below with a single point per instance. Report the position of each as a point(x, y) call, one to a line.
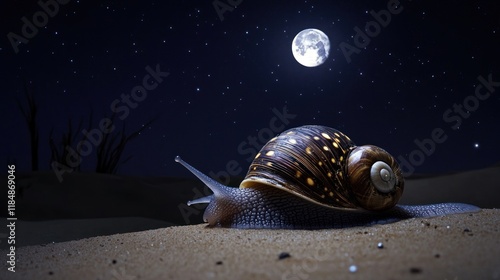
point(226, 77)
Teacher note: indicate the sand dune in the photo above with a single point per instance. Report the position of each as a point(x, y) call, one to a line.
point(89, 195)
point(478, 187)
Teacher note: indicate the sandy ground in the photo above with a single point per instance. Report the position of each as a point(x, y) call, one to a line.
point(462, 246)
point(127, 223)
point(44, 232)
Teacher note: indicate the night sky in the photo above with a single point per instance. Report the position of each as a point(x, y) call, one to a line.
point(222, 77)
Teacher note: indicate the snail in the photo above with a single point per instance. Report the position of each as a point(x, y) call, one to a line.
point(314, 177)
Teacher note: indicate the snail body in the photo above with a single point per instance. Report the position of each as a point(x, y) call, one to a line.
point(313, 177)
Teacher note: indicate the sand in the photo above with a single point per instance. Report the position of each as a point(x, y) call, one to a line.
point(101, 226)
point(462, 246)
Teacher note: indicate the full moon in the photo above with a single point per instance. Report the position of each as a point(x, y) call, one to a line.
point(311, 47)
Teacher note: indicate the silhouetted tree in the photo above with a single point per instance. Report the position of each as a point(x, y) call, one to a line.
point(112, 146)
point(29, 115)
point(59, 150)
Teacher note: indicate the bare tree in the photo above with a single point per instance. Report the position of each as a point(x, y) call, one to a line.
point(109, 150)
point(112, 147)
point(29, 115)
point(59, 149)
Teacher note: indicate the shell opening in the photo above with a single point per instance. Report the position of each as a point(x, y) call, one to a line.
point(382, 177)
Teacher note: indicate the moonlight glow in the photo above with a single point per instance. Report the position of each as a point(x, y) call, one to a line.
point(311, 47)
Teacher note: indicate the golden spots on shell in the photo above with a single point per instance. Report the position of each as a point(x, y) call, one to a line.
point(298, 174)
point(316, 138)
point(270, 153)
point(254, 168)
point(336, 134)
point(326, 189)
point(269, 163)
point(326, 136)
point(320, 163)
point(258, 155)
point(322, 196)
point(335, 145)
point(292, 141)
point(330, 194)
point(341, 158)
point(340, 174)
point(309, 150)
point(326, 148)
point(333, 160)
point(310, 181)
point(329, 174)
point(337, 140)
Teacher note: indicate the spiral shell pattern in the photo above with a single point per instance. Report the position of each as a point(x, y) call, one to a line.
point(312, 162)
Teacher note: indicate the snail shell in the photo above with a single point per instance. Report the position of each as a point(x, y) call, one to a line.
point(314, 177)
point(323, 165)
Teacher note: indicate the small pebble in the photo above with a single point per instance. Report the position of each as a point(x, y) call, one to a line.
point(284, 255)
point(468, 231)
point(415, 270)
point(380, 245)
point(353, 268)
point(218, 263)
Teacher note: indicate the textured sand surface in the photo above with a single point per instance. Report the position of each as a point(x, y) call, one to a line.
point(463, 246)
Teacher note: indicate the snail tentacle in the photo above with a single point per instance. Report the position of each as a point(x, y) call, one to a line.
point(201, 200)
point(217, 188)
point(224, 204)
